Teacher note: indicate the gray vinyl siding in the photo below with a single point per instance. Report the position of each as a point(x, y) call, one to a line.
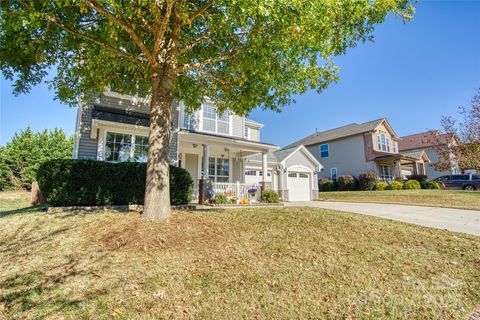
point(299, 159)
point(237, 126)
point(87, 147)
point(429, 167)
point(254, 134)
point(347, 155)
point(191, 165)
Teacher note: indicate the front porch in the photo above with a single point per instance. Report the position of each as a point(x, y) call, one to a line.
point(401, 166)
point(217, 166)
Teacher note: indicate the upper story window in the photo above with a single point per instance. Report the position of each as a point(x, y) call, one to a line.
point(324, 151)
point(383, 142)
point(395, 146)
point(246, 133)
point(214, 122)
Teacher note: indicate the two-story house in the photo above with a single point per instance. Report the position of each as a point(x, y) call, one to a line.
point(367, 147)
point(211, 146)
point(430, 141)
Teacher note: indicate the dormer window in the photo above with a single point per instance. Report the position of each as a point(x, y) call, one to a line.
point(214, 122)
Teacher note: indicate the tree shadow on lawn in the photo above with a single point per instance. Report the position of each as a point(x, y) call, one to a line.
point(40, 291)
point(31, 209)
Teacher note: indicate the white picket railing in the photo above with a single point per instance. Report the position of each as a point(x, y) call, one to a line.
point(236, 189)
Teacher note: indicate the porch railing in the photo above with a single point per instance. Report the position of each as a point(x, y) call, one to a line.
point(236, 189)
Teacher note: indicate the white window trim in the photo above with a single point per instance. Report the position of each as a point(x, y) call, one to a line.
point(103, 143)
point(246, 132)
point(331, 173)
point(230, 118)
point(328, 150)
point(215, 174)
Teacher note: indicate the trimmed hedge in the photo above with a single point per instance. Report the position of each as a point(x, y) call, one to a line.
point(270, 196)
point(430, 184)
point(412, 185)
point(327, 185)
point(71, 182)
point(380, 186)
point(367, 180)
point(346, 183)
point(395, 185)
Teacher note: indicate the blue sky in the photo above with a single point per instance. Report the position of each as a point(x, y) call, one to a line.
point(412, 74)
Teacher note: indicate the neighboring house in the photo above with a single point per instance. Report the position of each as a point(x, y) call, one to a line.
point(365, 147)
point(213, 147)
point(429, 141)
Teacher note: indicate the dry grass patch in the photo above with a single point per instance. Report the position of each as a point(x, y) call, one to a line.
point(435, 198)
point(252, 263)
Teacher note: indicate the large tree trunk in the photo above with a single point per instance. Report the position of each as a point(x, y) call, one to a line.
point(157, 188)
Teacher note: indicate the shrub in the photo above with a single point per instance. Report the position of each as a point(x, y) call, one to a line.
point(430, 184)
point(367, 180)
point(418, 177)
point(327, 185)
point(395, 185)
point(346, 183)
point(21, 157)
point(67, 182)
point(221, 199)
point(269, 196)
point(412, 184)
point(381, 186)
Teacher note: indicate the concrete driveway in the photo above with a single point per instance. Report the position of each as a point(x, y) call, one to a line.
point(458, 220)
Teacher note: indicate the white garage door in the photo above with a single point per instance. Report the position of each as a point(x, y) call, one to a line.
point(298, 186)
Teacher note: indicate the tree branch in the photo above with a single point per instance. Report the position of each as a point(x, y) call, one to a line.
point(94, 40)
point(163, 27)
point(200, 65)
point(100, 9)
point(199, 12)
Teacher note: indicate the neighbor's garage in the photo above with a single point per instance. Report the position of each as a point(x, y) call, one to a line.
point(298, 184)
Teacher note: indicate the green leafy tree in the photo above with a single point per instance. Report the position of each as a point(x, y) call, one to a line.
point(21, 157)
point(242, 54)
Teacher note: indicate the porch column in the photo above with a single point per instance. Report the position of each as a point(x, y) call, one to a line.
point(264, 171)
point(204, 183)
point(398, 169)
point(205, 162)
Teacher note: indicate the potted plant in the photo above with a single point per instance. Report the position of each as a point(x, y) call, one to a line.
point(251, 194)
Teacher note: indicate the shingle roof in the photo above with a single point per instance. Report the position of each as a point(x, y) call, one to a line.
point(423, 140)
point(417, 154)
point(337, 133)
point(273, 157)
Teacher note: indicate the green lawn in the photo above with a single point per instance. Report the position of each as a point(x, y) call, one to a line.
point(276, 263)
point(437, 198)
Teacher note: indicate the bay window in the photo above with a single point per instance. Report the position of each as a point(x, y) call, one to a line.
point(121, 147)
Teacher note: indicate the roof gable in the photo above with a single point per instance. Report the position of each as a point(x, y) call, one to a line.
point(424, 140)
point(338, 133)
